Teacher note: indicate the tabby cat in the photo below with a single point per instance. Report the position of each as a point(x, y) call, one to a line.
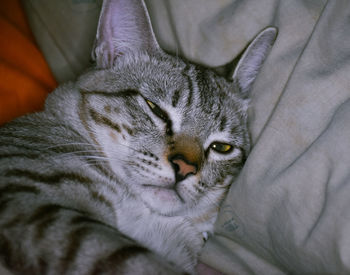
point(124, 170)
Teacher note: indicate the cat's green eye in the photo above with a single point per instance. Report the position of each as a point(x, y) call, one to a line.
point(223, 148)
point(151, 104)
point(157, 111)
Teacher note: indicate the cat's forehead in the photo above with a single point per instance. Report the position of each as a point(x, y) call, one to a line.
point(172, 83)
point(198, 96)
point(164, 77)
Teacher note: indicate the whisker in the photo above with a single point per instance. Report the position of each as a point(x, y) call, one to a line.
point(88, 144)
point(96, 157)
point(69, 144)
point(94, 145)
point(80, 152)
point(143, 174)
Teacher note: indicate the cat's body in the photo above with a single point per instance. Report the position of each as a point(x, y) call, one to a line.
point(124, 168)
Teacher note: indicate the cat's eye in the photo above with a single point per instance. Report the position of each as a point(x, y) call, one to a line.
point(151, 104)
point(157, 111)
point(222, 148)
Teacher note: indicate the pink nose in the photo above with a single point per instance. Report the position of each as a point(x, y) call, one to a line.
point(182, 168)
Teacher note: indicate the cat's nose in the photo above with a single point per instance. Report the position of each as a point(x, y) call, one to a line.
point(182, 167)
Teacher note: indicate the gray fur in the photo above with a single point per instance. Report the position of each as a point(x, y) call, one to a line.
point(90, 185)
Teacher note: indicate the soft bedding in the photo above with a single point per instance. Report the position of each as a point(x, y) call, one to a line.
point(289, 210)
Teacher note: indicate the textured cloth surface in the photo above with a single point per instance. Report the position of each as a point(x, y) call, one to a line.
point(289, 210)
point(25, 78)
point(64, 30)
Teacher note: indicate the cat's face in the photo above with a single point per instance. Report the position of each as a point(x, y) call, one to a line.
point(174, 133)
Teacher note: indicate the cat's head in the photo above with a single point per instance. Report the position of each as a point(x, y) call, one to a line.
point(175, 133)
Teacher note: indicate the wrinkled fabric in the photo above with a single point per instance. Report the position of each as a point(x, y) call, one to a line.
point(64, 30)
point(289, 210)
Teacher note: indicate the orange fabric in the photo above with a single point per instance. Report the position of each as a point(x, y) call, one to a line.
point(25, 78)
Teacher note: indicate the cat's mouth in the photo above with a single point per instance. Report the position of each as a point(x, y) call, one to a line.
point(165, 192)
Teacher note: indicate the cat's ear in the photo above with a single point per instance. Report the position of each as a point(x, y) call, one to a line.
point(245, 67)
point(252, 59)
point(124, 26)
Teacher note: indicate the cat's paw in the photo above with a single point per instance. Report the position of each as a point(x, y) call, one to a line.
point(187, 251)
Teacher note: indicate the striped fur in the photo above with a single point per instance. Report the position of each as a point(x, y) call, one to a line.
point(71, 177)
point(122, 172)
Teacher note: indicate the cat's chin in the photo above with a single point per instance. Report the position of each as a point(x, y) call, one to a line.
point(163, 200)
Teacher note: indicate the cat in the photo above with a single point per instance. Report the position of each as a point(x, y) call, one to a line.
point(124, 170)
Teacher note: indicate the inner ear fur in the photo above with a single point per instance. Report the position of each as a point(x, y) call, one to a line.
point(124, 27)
